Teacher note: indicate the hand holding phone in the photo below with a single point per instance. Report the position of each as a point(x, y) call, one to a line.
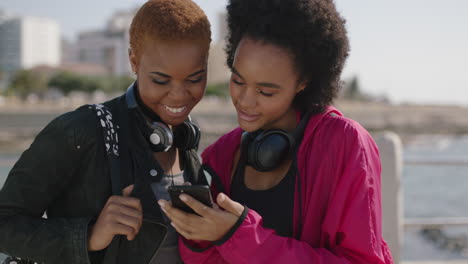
point(199, 192)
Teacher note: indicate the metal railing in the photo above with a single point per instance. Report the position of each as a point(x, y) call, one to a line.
point(436, 162)
point(435, 221)
point(394, 222)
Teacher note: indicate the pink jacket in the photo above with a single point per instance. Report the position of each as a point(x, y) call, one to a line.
point(339, 168)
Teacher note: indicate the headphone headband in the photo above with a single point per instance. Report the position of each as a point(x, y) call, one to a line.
point(298, 132)
point(130, 97)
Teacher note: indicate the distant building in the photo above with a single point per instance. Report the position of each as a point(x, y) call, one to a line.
point(3, 15)
point(105, 49)
point(69, 52)
point(121, 20)
point(26, 42)
point(108, 47)
point(3, 77)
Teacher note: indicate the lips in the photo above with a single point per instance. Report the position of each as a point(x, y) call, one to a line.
point(247, 116)
point(175, 110)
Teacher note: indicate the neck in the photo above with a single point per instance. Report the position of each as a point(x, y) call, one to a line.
point(287, 122)
point(169, 161)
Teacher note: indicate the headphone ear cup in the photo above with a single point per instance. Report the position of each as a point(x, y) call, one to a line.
point(160, 138)
point(269, 149)
point(187, 136)
point(196, 135)
point(246, 139)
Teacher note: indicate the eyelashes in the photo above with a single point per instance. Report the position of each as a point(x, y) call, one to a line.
point(159, 82)
point(196, 80)
point(257, 90)
point(166, 82)
point(237, 82)
point(265, 94)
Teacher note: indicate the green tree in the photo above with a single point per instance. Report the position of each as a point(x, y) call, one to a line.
point(353, 89)
point(115, 84)
point(68, 82)
point(65, 82)
point(89, 84)
point(25, 82)
point(218, 89)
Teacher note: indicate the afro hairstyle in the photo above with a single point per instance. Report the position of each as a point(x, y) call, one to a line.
point(311, 30)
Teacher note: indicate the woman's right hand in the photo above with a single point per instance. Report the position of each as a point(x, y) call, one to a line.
point(122, 215)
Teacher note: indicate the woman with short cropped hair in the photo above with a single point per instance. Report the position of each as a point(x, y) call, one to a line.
point(92, 216)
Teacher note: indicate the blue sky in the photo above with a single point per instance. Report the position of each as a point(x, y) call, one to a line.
point(411, 50)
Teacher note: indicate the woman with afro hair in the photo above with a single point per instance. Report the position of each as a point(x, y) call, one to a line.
point(297, 181)
point(98, 187)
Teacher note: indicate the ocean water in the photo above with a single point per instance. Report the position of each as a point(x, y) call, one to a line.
point(432, 191)
point(6, 162)
point(429, 191)
point(3, 173)
point(435, 191)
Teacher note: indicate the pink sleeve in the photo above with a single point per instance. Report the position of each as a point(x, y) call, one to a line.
point(196, 255)
point(252, 243)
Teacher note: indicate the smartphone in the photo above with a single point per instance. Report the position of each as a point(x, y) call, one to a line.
point(199, 192)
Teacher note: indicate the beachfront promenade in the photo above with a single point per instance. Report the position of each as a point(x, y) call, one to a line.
point(216, 117)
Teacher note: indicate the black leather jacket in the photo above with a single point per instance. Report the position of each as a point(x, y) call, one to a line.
point(65, 174)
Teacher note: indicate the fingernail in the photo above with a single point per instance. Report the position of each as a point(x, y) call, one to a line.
point(183, 197)
point(221, 197)
point(161, 203)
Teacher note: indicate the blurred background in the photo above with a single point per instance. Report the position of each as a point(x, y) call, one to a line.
point(406, 74)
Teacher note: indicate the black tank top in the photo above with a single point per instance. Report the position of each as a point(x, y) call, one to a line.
point(275, 205)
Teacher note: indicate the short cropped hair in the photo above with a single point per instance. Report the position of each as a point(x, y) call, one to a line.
point(312, 30)
point(168, 20)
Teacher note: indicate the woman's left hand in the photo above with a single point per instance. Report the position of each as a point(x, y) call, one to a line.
point(212, 224)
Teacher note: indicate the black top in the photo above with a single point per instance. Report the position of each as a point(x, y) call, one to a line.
point(275, 205)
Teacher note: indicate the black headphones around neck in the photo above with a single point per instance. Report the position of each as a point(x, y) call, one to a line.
point(265, 150)
point(160, 137)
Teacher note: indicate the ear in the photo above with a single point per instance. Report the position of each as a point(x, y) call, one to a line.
point(301, 87)
point(133, 60)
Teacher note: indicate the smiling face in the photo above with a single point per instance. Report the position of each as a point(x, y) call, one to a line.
point(171, 77)
point(263, 85)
